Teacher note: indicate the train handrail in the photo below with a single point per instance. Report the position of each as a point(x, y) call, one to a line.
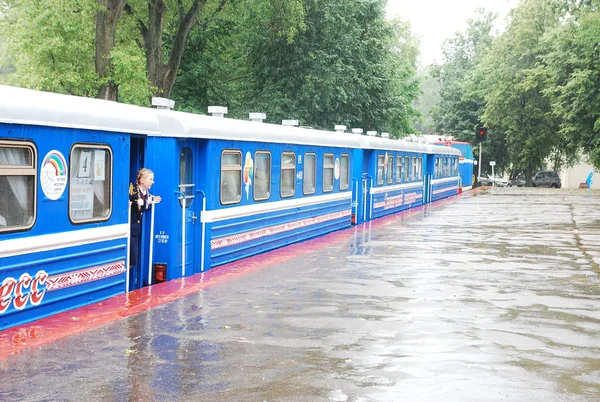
point(128, 248)
point(202, 249)
point(182, 196)
point(151, 252)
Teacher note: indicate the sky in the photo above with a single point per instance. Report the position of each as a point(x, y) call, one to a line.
point(433, 21)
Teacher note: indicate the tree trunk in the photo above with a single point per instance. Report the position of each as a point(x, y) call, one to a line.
point(162, 75)
point(107, 18)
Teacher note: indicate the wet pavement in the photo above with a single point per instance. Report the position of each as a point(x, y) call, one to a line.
point(493, 296)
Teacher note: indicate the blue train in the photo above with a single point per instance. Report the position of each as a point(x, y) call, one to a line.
point(466, 162)
point(230, 189)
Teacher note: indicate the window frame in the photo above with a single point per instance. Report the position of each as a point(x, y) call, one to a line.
point(229, 168)
point(328, 170)
point(345, 184)
point(287, 167)
point(380, 169)
point(187, 167)
point(269, 178)
point(108, 180)
point(414, 168)
point(399, 159)
point(29, 170)
point(305, 173)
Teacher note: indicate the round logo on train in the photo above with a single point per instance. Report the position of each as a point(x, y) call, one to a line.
point(53, 174)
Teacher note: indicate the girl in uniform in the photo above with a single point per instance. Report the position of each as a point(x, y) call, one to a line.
point(140, 201)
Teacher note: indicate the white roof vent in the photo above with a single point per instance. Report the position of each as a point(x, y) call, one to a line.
point(340, 128)
point(217, 111)
point(163, 103)
point(293, 123)
point(357, 131)
point(372, 133)
point(385, 135)
point(258, 117)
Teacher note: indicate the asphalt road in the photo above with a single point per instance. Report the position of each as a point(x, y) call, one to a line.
point(485, 297)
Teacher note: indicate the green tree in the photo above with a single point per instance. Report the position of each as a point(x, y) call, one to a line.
point(515, 80)
point(462, 97)
point(51, 44)
point(429, 98)
point(105, 46)
point(214, 69)
point(349, 66)
point(574, 82)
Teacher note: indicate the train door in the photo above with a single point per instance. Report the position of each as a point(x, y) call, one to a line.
point(429, 167)
point(189, 213)
point(136, 162)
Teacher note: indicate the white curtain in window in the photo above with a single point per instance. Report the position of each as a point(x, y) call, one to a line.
point(18, 184)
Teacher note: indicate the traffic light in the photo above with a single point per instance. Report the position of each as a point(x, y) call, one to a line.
point(480, 133)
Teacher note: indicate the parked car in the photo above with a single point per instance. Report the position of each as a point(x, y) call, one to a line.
point(495, 181)
point(546, 178)
point(518, 181)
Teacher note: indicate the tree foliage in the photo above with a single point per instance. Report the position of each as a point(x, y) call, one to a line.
point(51, 44)
point(574, 79)
point(348, 66)
point(337, 62)
point(535, 86)
point(462, 102)
point(515, 101)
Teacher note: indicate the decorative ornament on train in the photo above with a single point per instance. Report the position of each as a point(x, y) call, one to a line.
point(248, 173)
point(26, 289)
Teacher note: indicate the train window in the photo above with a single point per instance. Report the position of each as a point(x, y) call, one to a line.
point(262, 175)
point(399, 169)
point(231, 177)
point(309, 177)
point(380, 167)
point(390, 171)
point(455, 167)
point(406, 168)
point(414, 168)
point(420, 168)
point(18, 183)
point(328, 173)
point(90, 183)
point(344, 172)
point(288, 174)
point(186, 176)
point(437, 167)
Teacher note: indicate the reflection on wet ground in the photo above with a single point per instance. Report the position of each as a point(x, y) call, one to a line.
point(489, 297)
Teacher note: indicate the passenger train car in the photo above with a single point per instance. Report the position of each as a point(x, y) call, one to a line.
point(230, 189)
point(466, 161)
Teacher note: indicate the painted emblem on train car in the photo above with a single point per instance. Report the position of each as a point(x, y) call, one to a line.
point(26, 289)
point(54, 174)
point(336, 169)
point(248, 173)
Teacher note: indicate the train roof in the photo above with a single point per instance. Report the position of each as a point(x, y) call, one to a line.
point(401, 145)
point(20, 105)
point(451, 142)
point(181, 124)
point(188, 125)
point(27, 106)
